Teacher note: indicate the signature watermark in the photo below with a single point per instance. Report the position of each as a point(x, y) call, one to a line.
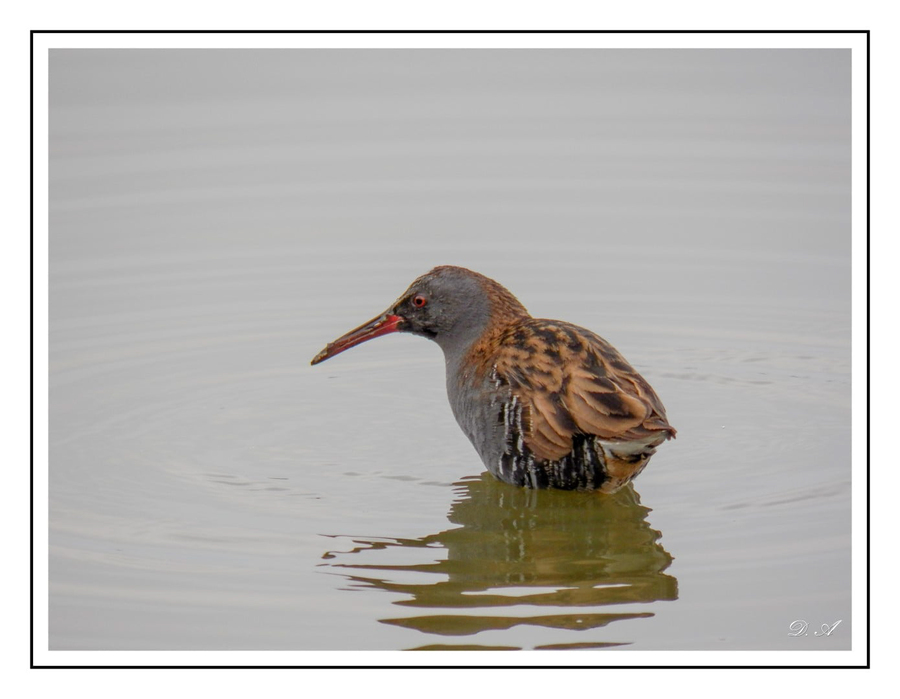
point(801, 628)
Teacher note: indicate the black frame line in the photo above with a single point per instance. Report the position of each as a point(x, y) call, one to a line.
point(460, 667)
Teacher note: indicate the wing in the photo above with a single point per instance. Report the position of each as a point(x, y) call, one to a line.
point(571, 381)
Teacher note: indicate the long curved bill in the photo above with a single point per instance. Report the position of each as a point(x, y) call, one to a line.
point(382, 325)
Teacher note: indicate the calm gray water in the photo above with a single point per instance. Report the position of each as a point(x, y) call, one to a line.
point(217, 216)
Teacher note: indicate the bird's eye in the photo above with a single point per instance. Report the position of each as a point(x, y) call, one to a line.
point(419, 301)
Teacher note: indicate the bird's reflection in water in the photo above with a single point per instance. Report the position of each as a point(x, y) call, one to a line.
point(567, 552)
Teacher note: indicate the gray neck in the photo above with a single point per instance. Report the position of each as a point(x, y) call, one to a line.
point(468, 325)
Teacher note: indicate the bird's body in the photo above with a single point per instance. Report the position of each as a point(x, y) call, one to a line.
point(545, 403)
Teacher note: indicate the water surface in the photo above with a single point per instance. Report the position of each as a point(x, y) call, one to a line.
point(217, 216)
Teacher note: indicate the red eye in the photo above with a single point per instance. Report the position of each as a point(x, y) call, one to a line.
point(419, 301)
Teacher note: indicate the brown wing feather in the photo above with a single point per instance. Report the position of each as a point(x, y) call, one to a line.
point(573, 381)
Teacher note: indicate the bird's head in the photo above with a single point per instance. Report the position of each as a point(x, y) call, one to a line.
point(450, 305)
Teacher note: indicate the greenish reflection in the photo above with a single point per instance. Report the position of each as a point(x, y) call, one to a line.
point(527, 549)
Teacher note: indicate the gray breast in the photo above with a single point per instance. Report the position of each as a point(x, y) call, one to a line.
point(480, 408)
